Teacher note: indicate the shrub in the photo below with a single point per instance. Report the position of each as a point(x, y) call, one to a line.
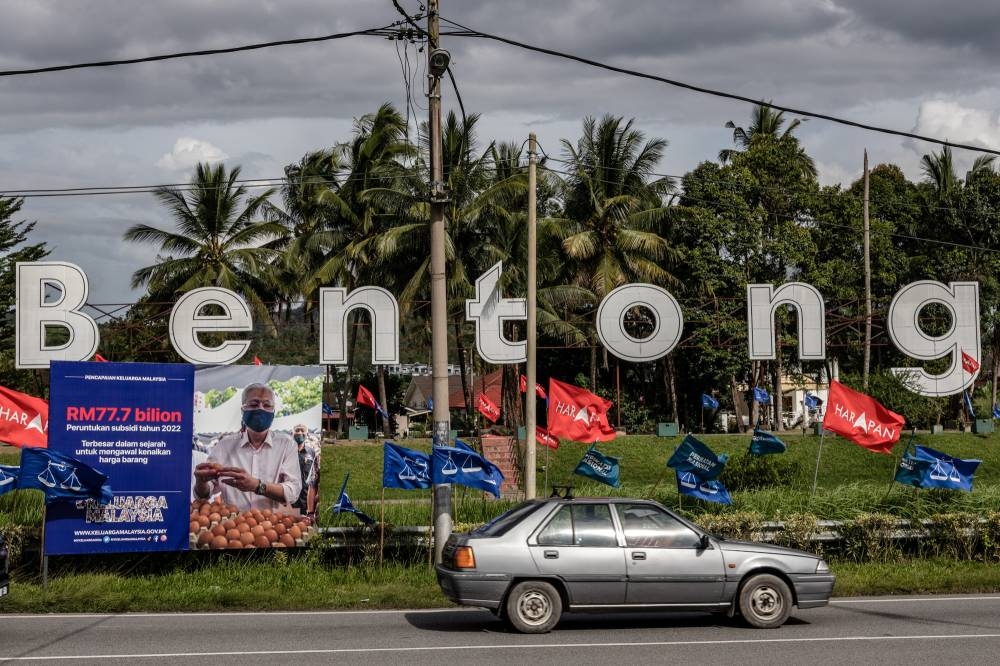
point(871, 537)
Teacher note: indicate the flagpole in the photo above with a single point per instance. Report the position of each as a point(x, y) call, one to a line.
point(45, 558)
point(895, 466)
point(547, 466)
point(819, 452)
point(381, 529)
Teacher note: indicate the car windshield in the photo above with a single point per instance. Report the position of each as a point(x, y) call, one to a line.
point(505, 521)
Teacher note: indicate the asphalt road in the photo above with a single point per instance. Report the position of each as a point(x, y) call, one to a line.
point(898, 630)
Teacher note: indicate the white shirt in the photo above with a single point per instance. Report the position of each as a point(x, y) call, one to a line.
point(276, 461)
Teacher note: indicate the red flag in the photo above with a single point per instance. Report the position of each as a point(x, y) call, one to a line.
point(861, 419)
point(969, 364)
point(545, 438)
point(577, 414)
point(487, 407)
point(366, 398)
point(24, 419)
point(539, 391)
point(100, 359)
point(257, 361)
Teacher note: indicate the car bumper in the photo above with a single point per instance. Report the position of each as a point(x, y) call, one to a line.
point(813, 590)
point(471, 588)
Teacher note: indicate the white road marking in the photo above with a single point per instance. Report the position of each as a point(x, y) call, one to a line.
point(528, 646)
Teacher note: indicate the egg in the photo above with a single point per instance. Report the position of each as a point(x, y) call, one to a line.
point(195, 527)
point(214, 517)
point(262, 542)
point(229, 524)
point(243, 527)
point(295, 531)
point(266, 524)
point(280, 528)
point(205, 509)
point(235, 543)
point(205, 539)
point(287, 540)
point(278, 544)
point(257, 530)
point(271, 535)
point(219, 542)
point(288, 521)
point(218, 530)
point(266, 513)
point(233, 534)
point(203, 520)
point(251, 522)
point(246, 539)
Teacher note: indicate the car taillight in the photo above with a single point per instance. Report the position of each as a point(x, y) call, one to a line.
point(464, 558)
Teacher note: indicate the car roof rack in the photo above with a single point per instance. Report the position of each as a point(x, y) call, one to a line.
point(565, 492)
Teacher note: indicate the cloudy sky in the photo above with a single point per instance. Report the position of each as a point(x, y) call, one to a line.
point(913, 65)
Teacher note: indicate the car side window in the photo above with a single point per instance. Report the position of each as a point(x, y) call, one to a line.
point(580, 525)
point(648, 526)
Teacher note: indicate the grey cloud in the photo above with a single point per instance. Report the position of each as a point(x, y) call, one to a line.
point(967, 23)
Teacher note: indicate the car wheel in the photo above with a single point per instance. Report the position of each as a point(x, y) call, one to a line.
point(765, 601)
point(533, 607)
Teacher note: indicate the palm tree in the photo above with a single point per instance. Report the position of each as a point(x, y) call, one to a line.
point(219, 240)
point(766, 123)
point(613, 203)
point(939, 171)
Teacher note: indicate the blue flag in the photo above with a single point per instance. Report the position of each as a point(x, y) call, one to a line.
point(430, 403)
point(465, 467)
point(405, 468)
point(693, 456)
point(996, 411)
point(689, 483)
point(927, 468)
point(812, 401)
point(344, 505)
point(599, 467)
point(708, 402)
point(764, 443)
point(761, 395)
point(327, 410)
point(8, 478)
point(61, 477)
point(968, 404)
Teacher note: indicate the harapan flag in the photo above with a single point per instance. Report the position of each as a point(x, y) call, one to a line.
point(969, 364)
point(577, 414)
point(539, 391)
point(861, 419)
point(257, 361)
point(366, 398)
point(24, 419)
point(487, 407)
point(545, 438)
point(100, 359)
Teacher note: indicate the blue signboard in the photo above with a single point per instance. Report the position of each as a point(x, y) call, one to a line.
point(133, 422)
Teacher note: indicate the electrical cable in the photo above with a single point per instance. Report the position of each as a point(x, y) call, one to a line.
point(717, 93)
point(380, 32)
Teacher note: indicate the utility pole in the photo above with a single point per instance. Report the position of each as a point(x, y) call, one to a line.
point(530, 419)
point(868, 283)
point(439, 294)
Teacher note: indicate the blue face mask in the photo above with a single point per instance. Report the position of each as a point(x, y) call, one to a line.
point(299, 439)
point(258, 420)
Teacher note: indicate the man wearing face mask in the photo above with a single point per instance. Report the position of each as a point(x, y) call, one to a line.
point(309, 465)
point(256, 468)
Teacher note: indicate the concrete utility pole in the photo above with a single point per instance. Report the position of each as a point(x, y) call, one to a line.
point(530, 399)
point(868, 283)
point(439, 294)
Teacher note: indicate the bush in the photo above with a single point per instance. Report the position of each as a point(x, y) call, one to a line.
point(741, 525)
point(871, 538)
point(748, 472)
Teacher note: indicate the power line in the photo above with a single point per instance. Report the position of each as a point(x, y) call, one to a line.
point(385, 31)
point(717, 93)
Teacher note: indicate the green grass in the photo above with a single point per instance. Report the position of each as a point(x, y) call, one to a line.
point(275, 583)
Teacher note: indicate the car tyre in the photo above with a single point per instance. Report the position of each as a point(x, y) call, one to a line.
point(765, 601)
point(533, 607)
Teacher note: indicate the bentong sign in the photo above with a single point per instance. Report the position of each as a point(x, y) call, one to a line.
point(489, 310)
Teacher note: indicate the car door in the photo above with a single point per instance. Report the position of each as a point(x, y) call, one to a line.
point(665, 561)
point(579, 544)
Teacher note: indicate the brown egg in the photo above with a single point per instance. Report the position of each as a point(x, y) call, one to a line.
point(218, 530)
point(205, 539)
point(195, 527)
point(278, 544)
point(214, 517)
point(288, 521)
point(271, 535)
point(229, 524)
point(243, 527)
point(219, 542)
point(280, 528)
point(235, 543)
point(266, 524)
point(262, 542)
point(295, 531)
point(257, 530)
point(233, 534)
point(205, 509)
point(246, 538)
point(266, 513)
point(287, 540)
point(257, 515)
point(251, 521)
point(203, 520)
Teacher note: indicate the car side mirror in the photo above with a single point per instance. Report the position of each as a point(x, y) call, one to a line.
point(704, 542)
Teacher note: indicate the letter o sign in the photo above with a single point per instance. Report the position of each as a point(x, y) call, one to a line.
point(611, 322)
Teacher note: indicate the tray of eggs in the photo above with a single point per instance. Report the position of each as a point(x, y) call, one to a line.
point(217, 526)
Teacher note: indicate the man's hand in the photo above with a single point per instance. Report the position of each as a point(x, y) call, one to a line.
point(238, 478)
point(206, 471)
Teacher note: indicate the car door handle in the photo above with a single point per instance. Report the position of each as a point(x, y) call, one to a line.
point(552, 554)
point(638, 555)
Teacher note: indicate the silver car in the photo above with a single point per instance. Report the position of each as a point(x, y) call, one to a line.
point(587, 554)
